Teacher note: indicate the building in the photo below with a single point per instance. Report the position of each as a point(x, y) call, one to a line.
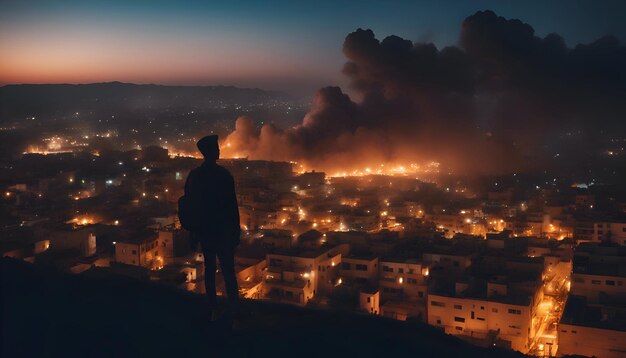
point(140, 250)
point(592, 330)
point(169, 240)
point(250, 276)
point(361, 269)
point(450, 224)
point(69, 237)
point(599, 273)
point(297, 275)
point(594, 317)
point(610, 232)
point(404, 279)
point(501, 310)
point(369, 300)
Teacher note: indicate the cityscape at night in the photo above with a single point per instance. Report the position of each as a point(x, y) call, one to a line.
point(367, 178)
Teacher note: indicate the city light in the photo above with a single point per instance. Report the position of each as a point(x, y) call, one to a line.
point(183, 156)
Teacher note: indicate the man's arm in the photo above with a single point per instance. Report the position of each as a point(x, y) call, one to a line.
point(233, 210)
point(189, 183)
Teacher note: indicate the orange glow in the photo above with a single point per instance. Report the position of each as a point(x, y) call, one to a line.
point(84, 220)
point(387, 169)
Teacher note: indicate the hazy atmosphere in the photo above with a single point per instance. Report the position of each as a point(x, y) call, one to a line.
point(321, 179)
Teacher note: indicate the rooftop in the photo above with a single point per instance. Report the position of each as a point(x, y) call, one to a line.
point(578, 313)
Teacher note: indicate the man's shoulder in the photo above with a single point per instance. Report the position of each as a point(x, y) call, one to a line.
point(194, 172)
point(216, 170)
point(223, 171)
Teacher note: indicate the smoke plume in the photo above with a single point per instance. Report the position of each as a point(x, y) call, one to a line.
point(494, 103)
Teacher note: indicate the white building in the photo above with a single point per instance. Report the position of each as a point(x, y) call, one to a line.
point(297, 275)
point(139, 251)
point(593, 321)
point(497, 311)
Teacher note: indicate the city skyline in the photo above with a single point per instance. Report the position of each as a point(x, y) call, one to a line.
point(455, 165)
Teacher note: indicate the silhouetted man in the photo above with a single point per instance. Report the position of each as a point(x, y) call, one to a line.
point(213, 189)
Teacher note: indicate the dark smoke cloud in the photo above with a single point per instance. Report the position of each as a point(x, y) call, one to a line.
point(489, 104)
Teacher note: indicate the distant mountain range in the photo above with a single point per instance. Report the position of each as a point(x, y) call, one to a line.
point(58, 99)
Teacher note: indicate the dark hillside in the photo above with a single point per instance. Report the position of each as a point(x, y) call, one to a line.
point(49, 314)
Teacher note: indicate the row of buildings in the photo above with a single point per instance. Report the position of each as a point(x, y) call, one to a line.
point(535, 270)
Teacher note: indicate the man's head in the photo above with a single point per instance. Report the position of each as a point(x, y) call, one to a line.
point(209, 148)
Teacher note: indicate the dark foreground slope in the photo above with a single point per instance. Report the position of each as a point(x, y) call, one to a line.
point(56, 315)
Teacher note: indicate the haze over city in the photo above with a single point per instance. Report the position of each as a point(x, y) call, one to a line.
point(458, 166)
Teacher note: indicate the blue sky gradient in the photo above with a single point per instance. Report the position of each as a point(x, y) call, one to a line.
point(288, 45)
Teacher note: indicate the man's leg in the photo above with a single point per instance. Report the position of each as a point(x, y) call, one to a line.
point(209, 274)
point(227, 264)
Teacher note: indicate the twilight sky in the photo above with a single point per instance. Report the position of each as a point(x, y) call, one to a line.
point(285, 45)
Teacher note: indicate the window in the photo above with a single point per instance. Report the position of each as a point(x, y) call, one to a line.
point(420, 294)
point(345, 266)
point(482, 308)
point(595, 282)
point(369, 300)
point(472, 314)
point(387, 269)
point(438, 321)
point(458, 307)
point(579, 280)
point(459, 319)
point(400, 270)
point(574, 332)
point(360, 267)
point(480, 318)
point(514, 326)
point(412, 281)
point(494, 310)
point(458, 328)
point(514, 311)
point(610, 283)
point(411, 271)
point(134, 252)
point(163, 244)
point(437, 304)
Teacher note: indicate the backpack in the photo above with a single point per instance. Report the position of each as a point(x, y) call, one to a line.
point(190, 208)
point(188, 214)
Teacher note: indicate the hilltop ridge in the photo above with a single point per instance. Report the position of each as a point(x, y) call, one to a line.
point(47, 313)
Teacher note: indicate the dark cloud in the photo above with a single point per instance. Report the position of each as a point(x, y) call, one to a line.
point(489, 104)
